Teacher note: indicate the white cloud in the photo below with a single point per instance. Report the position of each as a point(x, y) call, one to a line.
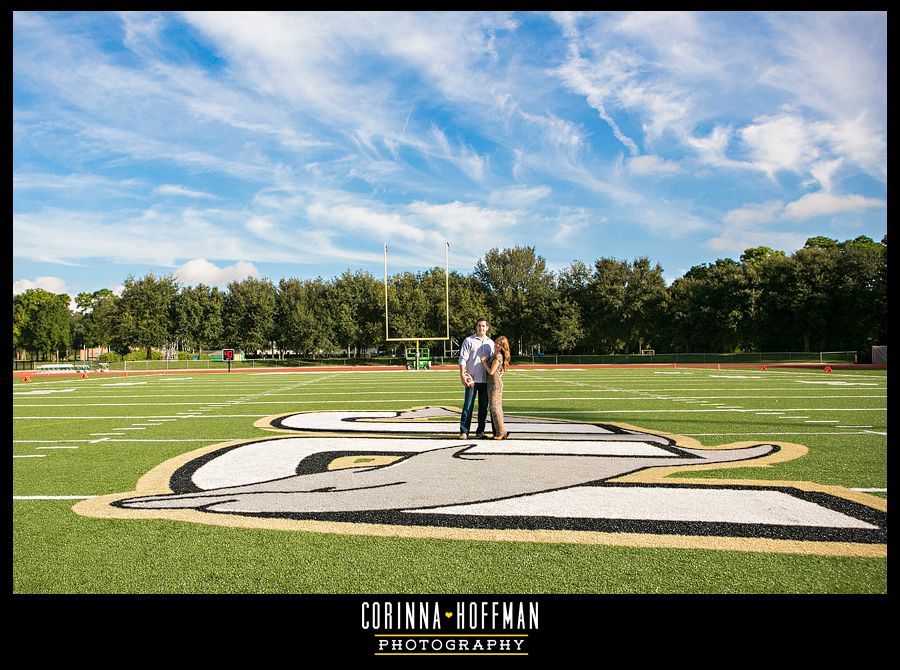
point(156, 236)
point(754, 215)
point(584, 77)
point(75, 182)
point(519, 195)
point(177, 190)
point(464, 158)
point(832, 62)
point(859, 141)
point(361, 220)
point(712, 148)
point(824, 171)
point(260, 226)
point(651, 165)
point(780, 143)
point(51, 284)
point(821, 204)
point(201, 271)
point(569, 224)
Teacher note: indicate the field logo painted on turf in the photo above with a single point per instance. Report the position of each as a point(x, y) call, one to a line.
point(408, 474)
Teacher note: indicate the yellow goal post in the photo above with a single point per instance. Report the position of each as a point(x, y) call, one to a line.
point(417, 340)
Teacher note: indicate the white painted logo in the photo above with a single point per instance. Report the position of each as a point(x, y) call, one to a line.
point(588, 482)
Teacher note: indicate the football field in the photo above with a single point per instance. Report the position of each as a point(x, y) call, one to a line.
point(77, 441)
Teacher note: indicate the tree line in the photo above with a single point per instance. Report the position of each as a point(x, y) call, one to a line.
point(827, 296)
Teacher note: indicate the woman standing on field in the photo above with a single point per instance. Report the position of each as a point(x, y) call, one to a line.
point(495, 366)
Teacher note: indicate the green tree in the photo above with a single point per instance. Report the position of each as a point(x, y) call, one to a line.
point(357, 307)
point(197, 321)
point(605, 317)
point(813, 289)
point(520, 291)
point(710, 308)
point(407, 306)
point(573, 284)
point(645, 299)
point(144, 317)
point(248, 314)
point(468, 303)
point(99, 310)
point(304, 319)
point(775, 326)
point(41, 322)
point(820, 242)
point(563, 330)
point(860, 295)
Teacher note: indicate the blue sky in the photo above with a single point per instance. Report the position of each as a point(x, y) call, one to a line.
point(218, 146)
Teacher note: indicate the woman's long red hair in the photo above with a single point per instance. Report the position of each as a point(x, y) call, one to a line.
point(502, 344)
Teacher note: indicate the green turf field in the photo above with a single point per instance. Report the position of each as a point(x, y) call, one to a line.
point(74, 438)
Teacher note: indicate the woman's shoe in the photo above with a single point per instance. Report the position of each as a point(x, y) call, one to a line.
point(501, 437)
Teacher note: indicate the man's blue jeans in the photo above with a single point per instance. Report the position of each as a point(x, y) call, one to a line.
point(465, 421)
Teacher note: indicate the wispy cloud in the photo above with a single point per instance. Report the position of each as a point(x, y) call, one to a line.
point(182, 191)
point(652, 165)
point(301, 141)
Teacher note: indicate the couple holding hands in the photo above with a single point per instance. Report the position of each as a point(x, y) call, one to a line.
point(482, 363)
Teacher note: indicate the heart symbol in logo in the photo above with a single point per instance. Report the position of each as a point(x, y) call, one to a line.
point(448, 614)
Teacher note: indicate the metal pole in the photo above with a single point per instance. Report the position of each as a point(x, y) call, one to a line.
point(386, 336)
point(447, 284)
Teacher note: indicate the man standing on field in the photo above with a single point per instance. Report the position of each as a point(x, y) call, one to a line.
point(474, 378)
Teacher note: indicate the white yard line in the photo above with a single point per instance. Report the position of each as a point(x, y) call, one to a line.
point(53, 497)
point(111, 418)
point(212, 440)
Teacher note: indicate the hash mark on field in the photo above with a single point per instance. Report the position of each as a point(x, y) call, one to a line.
point(30, 456)
point(56, 447)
